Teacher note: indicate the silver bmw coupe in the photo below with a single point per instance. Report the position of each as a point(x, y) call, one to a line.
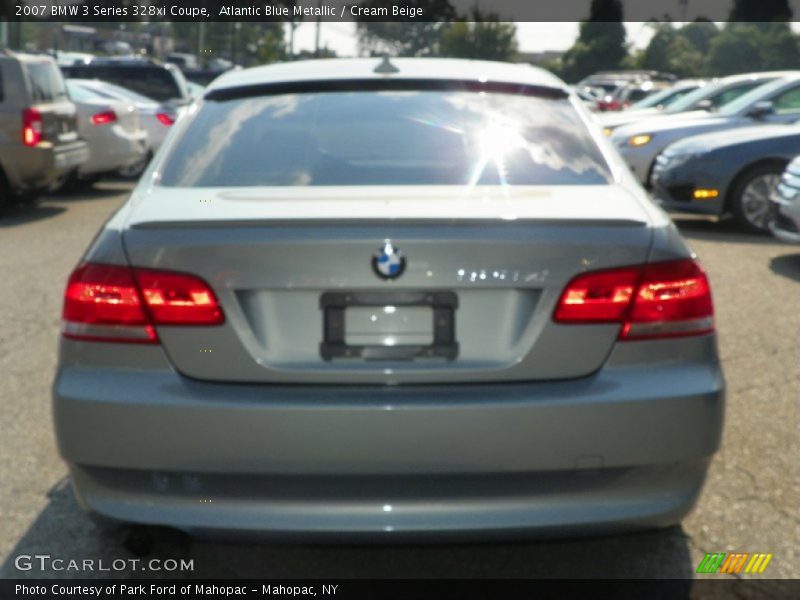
point(388, 298)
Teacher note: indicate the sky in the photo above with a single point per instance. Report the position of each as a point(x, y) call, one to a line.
point(531, 37)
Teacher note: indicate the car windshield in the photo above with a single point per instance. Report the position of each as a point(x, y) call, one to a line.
point(386, 138)
point(662, 98)
point(762, 92)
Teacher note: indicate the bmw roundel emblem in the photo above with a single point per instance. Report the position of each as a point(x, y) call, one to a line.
point(388, 262)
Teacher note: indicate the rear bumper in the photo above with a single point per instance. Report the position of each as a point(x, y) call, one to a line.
point(627, 447)
point(114, 150)
point(36, 168)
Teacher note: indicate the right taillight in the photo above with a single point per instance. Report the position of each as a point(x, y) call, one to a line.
point(32, 127)
point(657, 300)
point(115, 303)
point(165, 119)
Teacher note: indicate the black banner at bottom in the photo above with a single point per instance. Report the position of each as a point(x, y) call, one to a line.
point(388, 589)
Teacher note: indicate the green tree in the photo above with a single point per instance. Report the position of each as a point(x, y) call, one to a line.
point(778, 47)
point(601, 43)
point(657, 54)
point(737, 49)
point(685, 60)
point(415, 38)
point(484, 36)
point(700, 33)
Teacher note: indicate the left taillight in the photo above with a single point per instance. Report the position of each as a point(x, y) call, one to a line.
point(114, 303)
point(32, 127)
point(656, 300)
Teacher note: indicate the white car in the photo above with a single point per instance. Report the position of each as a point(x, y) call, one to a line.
point(114, 132)
point(157, 118)
point(707, 98)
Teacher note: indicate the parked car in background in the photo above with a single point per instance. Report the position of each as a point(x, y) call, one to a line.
point(383, 324)
point(112, 128)
point(195, 89)
point(183, 61)
point(39, 140)
point(615, 83)
point(665, 97)
point(774, 102)
point(65, 59)
point(588, 96)
point(161, 82)
point(156, 118)
point(709, 97)
point(625, 95)
point(728, 172)
point(786, 205)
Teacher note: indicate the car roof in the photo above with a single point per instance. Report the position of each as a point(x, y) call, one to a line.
point(758, 75)
point(407, 68)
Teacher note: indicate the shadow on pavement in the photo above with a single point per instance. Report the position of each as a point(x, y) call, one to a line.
point(62, 530)
point(97, 191)
point(20, 215)
point(787, 265)
point(722, 230)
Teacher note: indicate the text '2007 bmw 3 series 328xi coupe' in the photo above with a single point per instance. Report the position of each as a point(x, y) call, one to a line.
point(390, 299)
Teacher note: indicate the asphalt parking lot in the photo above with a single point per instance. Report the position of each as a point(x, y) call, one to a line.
point(751, 501)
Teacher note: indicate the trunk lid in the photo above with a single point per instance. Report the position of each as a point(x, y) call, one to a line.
point(499, 256)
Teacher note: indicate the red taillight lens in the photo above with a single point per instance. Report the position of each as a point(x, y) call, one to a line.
point(178, 298)
point(165, 119)
point(118, 304)
point(103, 118)
point(32, 127)
point(102, 303)
point(657, 300)
point(598, 297)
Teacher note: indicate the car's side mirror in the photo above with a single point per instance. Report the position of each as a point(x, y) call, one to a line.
point(759, 110)
point(704, 105)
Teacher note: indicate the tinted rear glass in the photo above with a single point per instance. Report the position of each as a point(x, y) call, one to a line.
point(45, 81)
point(153, 82)
point(386, 138)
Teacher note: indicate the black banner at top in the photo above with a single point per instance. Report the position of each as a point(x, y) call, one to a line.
point(397, 10)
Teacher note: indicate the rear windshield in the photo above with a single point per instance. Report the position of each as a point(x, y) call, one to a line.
point(386, 138)
point(45, 82)
point(154, 82)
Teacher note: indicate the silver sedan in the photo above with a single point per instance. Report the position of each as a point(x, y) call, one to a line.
point(113, 129)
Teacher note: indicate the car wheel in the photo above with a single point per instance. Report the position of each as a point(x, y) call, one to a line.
point(750, 199)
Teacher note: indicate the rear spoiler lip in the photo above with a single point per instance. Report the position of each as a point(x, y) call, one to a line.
point(366, 222)
point(383, 85)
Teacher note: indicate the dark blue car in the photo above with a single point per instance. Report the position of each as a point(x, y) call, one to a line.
point(729, 172)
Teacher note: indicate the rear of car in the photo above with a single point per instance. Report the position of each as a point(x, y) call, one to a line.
point(40, 140)
point(417, 298)
point(786, 205)
point(113, 130)
point(156, 118)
